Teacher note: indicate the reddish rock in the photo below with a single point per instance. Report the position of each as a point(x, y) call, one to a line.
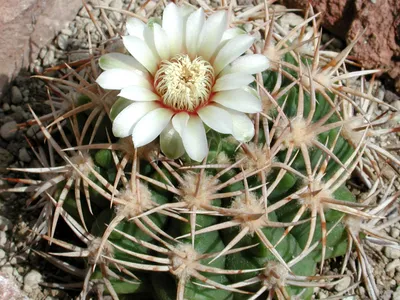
point(379, 47)
point(25, 27)
point(337, 15)
point(9, 289)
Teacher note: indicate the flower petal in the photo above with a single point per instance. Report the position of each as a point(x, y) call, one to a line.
point(161, 41)
point(135, 27)
point(150, 126)
point(185, 10)
point(232, 81)
point(232, 33)
point(211, 34)
point(227, 36)
point(125, 121)
point(239, 100)
point(232, 50)
point(179, 121)
point(120, 61)
point(216, 118)
point(243, 127)
point(194, 139)
point(139, 50)
point(171, 143)
point(138, 93)
point(250, 64)
point(172, 23)
point(116, 79)
point(194, 25)
point(119, 105)
point(148, 35)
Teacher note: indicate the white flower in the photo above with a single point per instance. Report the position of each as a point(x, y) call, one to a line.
point(187, 72)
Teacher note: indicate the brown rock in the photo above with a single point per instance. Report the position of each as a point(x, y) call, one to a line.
point(337, 14)
point(25, 27)
point(379, 47)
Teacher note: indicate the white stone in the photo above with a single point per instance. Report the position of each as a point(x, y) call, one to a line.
point(32, 280)
point(395, 232)
point(118, 5)
point(83, 12)
point(8, 270)
point(343, 284)
point(396, 104)
point(322, 295)
point(5, 224)
point(62, 41)
point(2, 254)
point(396, 294)
point(43, 52)
point(393, 265)
point(48, 58)
point(392, 252)
point(3, 239)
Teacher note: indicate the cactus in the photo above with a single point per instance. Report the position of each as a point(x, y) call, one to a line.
point(259, 214)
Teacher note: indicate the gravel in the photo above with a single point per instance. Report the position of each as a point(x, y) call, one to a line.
point(6, 158)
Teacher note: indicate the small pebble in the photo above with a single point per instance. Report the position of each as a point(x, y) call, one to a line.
point(34, 131)
point(343, 284)
point(393, 265)
point(16, 96)
point(3, 239)
point(6, 158)
point(396, 104)
point(392, 252)
point(394, 232)
point(18, 116)
point(392, 282)
point(391, 97)
point(62, 41)
point(9, 130)
point(291, 19)
point(66, 31)
point(118, 5)
point(5, 224)
point(24, 156)
point(49, 58)
point(43, 53)
point(6, 107)
point(31, 281)
point(2, 254)
point(396, 294)
point(322, 295)
point(83, 12)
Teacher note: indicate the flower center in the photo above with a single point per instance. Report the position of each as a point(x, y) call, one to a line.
point(184, 84)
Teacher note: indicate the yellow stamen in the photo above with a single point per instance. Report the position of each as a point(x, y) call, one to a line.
point(184, 84)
